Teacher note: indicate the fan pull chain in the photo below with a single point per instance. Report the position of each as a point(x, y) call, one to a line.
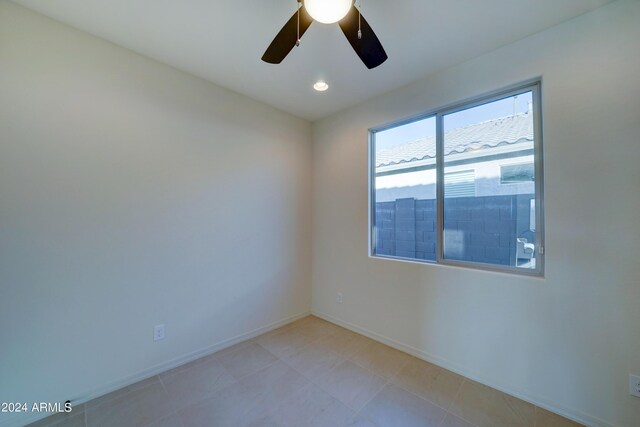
point(359, 21)
point(298, 36)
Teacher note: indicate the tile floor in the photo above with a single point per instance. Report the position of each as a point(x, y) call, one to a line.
point(308, 373)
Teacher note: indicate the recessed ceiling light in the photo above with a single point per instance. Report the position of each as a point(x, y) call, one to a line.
point(321, 86)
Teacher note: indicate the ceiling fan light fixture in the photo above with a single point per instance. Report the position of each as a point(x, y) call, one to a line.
point(355, 28)
point(328, 11)
point(320, 86)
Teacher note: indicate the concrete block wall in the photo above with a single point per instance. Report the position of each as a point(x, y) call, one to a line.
point(426, 229)
point(386, 228)
point(480, 229)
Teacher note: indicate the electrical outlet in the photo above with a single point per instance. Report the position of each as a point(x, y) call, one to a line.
point(339, 298)
point(634, 385)
point(158, 332)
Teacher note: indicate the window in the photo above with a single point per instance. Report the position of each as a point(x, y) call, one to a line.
point(462, 186)
point(514, 174)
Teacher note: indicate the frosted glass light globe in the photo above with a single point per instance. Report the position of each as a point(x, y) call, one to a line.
point(328, 11)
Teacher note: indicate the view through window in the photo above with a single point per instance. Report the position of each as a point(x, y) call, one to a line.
point(484, 211)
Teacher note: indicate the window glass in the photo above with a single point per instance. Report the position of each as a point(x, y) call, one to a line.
point(493, 224)
point(405, 191)
point(486, 211)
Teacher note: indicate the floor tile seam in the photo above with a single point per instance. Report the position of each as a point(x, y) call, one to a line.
point(464, 381)
point(360, 412)
point(179, 418)
point(59, 422)
point(363, 415)
point(366, 368)
point(321, 386)
point(224, 368)
point(389, 382)
point(294, 368)
point(371, 371)
point(444, 417)
point(515, 412)
point(386, 383)
point(302, 347)
point(463, 419)
point(174, 412)
point(373, 342)
point(84, 417)
point(56, 423)
point(406, 363)
point(201, 399)
point(314, 382)
point(297, 349)
point(117, 397)
point(184, 367)
point(342, 358)
point(236, 380)
point(270, 411)
point(426, 399)
point(315, 340)
point(163, 386)
point(198, 363)
point(241, 345)
point(242, 377)
point(245, 376)
point(278, 359)
point(266, 349)
point(455, 396)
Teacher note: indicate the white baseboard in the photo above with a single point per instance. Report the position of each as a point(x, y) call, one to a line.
point(577, 416)
point(17, 420)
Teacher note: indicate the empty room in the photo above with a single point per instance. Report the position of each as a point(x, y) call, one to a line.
point(321, 213)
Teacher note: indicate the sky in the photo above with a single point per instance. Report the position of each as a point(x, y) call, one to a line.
point(427, 127)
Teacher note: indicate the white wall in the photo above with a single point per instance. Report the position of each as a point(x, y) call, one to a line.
point(567, 341)
point(132, 194)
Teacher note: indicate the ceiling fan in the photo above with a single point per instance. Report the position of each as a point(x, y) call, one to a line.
point(357, 30)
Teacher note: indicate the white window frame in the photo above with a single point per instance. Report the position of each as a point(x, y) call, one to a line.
point(533, 86)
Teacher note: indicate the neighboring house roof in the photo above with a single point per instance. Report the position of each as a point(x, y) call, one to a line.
point(508, 130)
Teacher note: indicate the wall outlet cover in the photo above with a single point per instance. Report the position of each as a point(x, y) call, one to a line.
point(158, 332)
point(634, 385)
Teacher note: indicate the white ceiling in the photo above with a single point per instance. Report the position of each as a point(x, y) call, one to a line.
point(222, 41)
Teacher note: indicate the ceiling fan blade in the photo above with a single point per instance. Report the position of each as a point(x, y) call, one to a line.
point(287, 37)
point(368, 48)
